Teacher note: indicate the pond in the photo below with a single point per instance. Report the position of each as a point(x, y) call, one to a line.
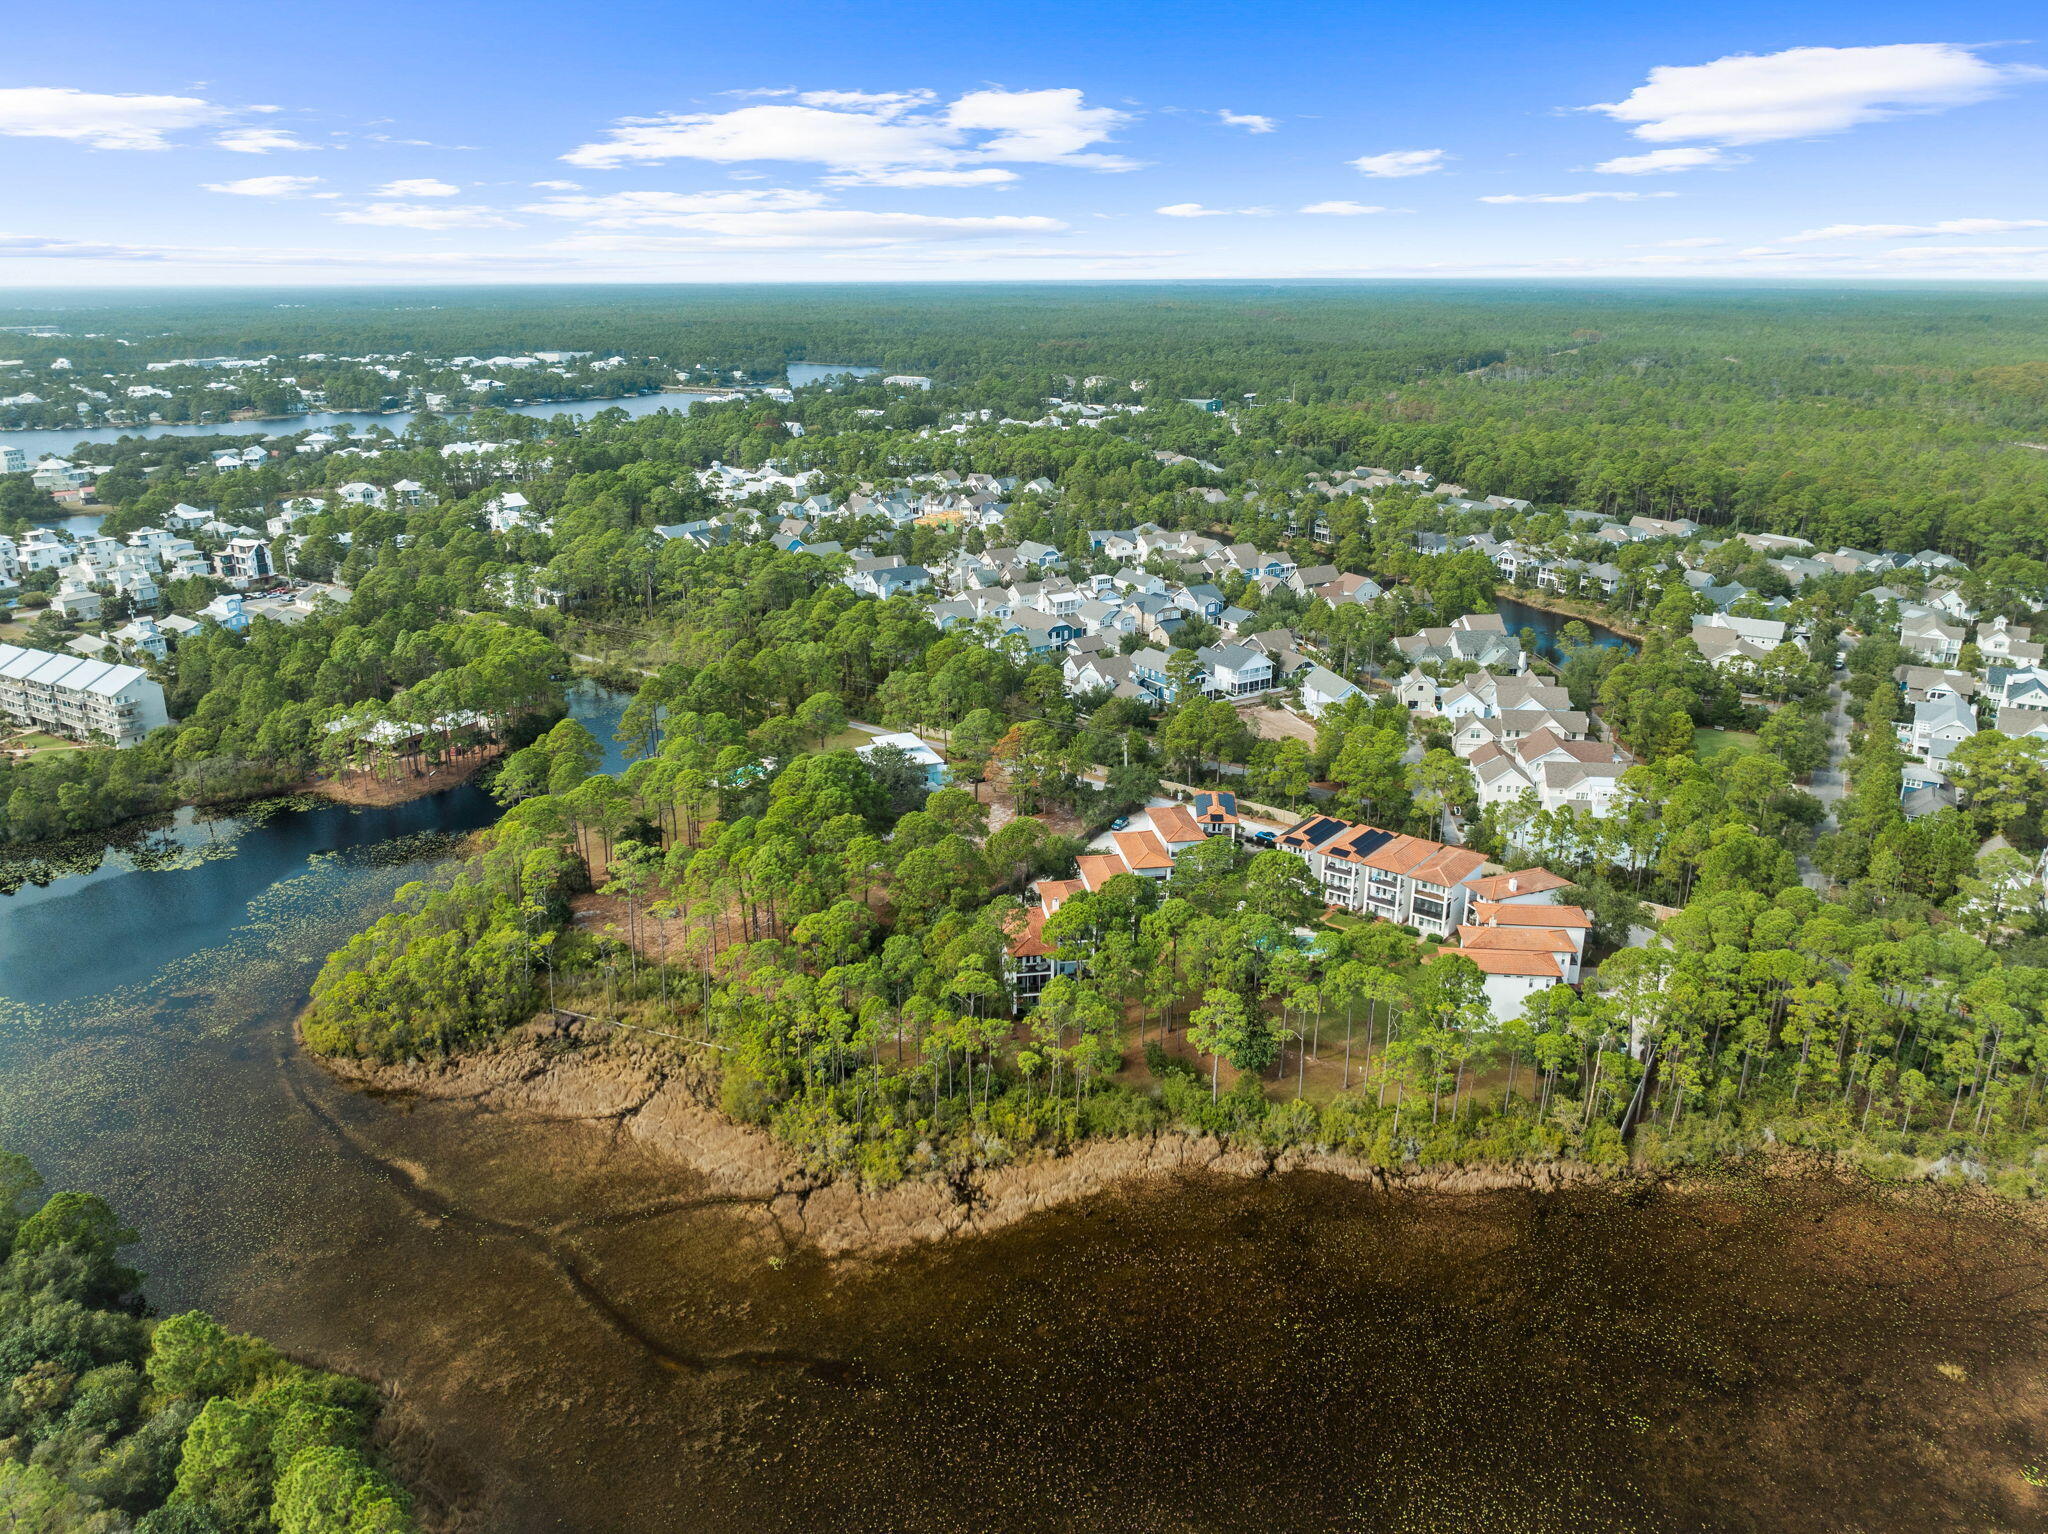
point(801, 373)
point(39, 444)
point(1549, 625)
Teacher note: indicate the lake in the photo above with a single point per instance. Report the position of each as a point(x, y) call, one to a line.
point(1549, 625)
point(39, 443)
point(801, 373)
point(1298, 1353)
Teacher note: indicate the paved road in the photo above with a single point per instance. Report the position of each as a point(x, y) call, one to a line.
point(1830, 783)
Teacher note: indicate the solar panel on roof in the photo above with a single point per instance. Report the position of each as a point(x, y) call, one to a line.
point(1317, 831)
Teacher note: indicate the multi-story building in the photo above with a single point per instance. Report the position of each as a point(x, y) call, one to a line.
point(84, 699)
point(40, 548)
point(1382, 874)
point(243, 560)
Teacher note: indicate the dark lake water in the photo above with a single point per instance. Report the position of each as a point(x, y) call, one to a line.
point(1549, 625)
point(1301, 1353)
point(801, 373)
point(61, 442)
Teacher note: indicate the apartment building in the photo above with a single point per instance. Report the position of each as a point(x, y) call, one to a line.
point(1382, 874)
point(72, 696)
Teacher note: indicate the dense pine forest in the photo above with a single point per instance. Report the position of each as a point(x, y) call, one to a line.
point(115, 1420)
point(835, 932)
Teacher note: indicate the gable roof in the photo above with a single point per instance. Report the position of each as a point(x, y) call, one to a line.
point(1495, 961)
point(1141, 849)
point(1174, 824)
point(1098, 868)
point(1529, 881)
point(1487, 913)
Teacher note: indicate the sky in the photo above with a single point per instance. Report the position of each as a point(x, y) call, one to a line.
point(243, 144)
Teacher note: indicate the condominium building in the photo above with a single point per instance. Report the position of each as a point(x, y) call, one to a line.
point(80, 698)
point(1406, 879)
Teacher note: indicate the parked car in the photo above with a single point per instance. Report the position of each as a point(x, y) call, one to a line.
point(1121, 823)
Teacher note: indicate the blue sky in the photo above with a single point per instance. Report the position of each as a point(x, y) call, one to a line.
point(262, 144)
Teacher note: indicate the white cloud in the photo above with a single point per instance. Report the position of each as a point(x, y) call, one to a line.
point(1251, 122)
point(1693, 242)
point(265, 186)
point(1050, 127)
point(1576, 196)
point(759, 218)
point(808, 229)
point(648, 210)
point(861, 101)
point(1757, 98)
point(1196, 210)
point(1910, 231)
point(984, 175)
point(261, 140)
point(425, 187)
point(865, 132)
point(558, 186)
point(1661, 162)
point(1344, 209)
point(1402, 162)
point(419, 215)
point(100, 121)
point(40, 247)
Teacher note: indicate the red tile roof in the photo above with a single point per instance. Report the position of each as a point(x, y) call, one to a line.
point(1027, 935)
point(1494, 962)
point(1098, 868)
point(1516, 939)
point(1530, 881)
point(1175, 824)
point(1141, 849)
point(1052, 893)
point(1488, 914)
point(1447, 866)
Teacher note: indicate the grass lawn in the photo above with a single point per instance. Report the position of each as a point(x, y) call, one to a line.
point(1706, 742)
point(37, 743)
point(852, 738)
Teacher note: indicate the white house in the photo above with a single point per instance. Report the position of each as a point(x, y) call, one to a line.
point(919, 751)
point(79, 698)
point(1937, 727)
point(1234, 671)
point(1323, 690)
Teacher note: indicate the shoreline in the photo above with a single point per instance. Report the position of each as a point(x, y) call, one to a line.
point(542, 1073)
point(367, 789)
point(1549, 602)
point(215, 428)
